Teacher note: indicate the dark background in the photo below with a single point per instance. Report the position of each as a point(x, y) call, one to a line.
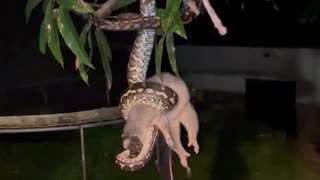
point(258, 25)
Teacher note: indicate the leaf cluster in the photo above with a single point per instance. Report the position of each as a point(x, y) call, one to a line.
point(57, 24)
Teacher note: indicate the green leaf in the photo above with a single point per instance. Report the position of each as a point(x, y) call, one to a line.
point(159, 51)
point(76, 5)
point(105, 44)
point(168, 15)
point(43, 37)
point(90, 43)
point(45, 4)
point(177, 26)
point(173, 5)
point(52, 34)
point(82, 68)
point(122, 3)
point(54, 43)
point(160, 12)
point(71, 37)
point(31, 4)
point(84, 32)
point(83, 73)
point(171, 52)
point(166, 21)
point(105, 55)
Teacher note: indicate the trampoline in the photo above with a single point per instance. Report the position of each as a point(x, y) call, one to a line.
point(80, 121)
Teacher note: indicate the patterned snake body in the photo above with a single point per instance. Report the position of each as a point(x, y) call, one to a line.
point(142, 47)
point(134, 21)
point(158, 96)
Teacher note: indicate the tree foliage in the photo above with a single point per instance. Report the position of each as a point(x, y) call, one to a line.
point(58, 25)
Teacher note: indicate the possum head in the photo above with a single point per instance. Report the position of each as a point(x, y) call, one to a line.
point(140, 118)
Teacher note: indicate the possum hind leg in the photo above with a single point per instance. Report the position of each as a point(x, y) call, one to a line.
point(174, 126)
point(189, 119)
point(162, 123)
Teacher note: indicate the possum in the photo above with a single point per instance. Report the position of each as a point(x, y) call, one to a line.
point(140, 117)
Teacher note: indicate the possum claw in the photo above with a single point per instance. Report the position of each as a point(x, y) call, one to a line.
point(195, 146)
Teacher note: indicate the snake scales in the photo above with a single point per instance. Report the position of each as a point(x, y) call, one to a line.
point(135, 21)
point(156, 95)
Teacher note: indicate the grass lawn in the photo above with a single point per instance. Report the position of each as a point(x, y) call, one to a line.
point(230, 149)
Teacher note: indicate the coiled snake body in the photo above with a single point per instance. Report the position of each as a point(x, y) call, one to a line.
point(156, 95)
point(134, 21)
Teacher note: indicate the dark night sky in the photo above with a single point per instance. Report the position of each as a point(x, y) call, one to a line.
point(259, 25)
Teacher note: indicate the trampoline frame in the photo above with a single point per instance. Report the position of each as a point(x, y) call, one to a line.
point(163, 156)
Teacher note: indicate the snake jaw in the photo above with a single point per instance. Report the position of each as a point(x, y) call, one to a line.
point(138, 154)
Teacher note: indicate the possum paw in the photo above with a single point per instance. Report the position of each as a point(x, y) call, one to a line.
point(195, 146)
point(184, 163)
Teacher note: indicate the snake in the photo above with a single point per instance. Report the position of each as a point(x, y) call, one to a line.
point(136, 21)
point(156, 95)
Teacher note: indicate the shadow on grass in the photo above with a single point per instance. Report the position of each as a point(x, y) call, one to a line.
point(228, 161)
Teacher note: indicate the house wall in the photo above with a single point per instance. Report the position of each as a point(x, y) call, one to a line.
point(207, 67)
point(226, 68)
